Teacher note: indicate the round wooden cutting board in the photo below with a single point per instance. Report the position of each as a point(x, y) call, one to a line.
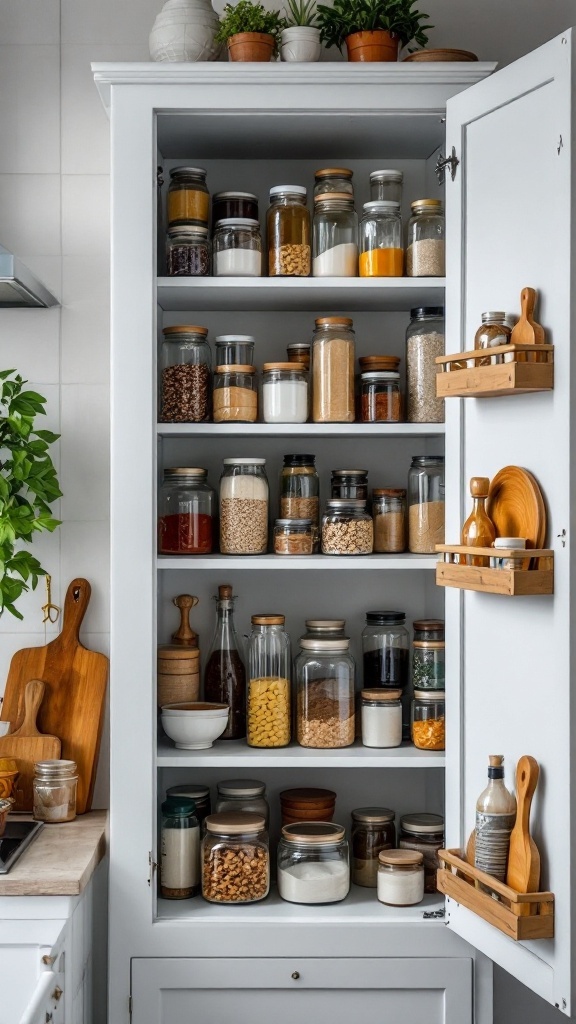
point(441, 55)
point(516, 506)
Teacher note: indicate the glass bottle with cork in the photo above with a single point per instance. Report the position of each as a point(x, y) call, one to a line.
point(495, 818)
point(225, 675)
point(478, 530)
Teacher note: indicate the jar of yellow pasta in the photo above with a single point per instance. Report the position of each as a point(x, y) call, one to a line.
point(269, 661)
point(428, 720)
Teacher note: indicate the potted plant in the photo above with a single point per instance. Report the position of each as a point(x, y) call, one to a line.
point(300, 38)
point(28, 486)
point(250, 31)
point(373, 30)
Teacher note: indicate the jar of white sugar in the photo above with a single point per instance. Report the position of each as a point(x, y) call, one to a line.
point(284, 393)
point(237, 248)
point(313, 864)
point(400, 878)
point(335, 236)
point(381, 717)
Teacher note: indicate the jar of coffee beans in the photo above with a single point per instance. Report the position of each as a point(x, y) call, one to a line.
point(185, 372)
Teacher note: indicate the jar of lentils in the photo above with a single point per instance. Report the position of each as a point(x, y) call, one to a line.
point(235, 858)
point(185, 372)
point(187, 250)
point(390, 519)
point(325, 674)
point(335, 236)
point(424, 342)
point(288, 230)
point(188, 196)
point(237, 248)
point(244, 498)
point(347, 528)
point(425, 255)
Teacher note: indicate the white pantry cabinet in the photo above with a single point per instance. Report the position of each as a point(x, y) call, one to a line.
point(508, 672)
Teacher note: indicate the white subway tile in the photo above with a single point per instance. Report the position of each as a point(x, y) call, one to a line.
point(31, 343)
point(123, 21)
point(48, 270)
point(29, 22)
point(85, 215)
point(30, 109)
point(30, 205)
point(85, 456)
point(86, 320)
point(85, 551)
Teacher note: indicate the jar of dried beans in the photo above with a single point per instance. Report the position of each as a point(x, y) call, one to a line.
point(187, 250)
point(335, 236)
point(425, 255)
point(424, 341)
point(390, 519)
point(381, 250)
point(186, 513)
point(269, 664)
point(299, 491)
point(380, 399)
point(426, 504)
point(293, 537)
point(188, 196)
point(347, 528)
point(244, 507)
point(325, 674)
point(428, 720)
point(235, 858)
point(288, 230)
point(235, 396)
point(237, 248)
point(333, 354)
point(185, 363)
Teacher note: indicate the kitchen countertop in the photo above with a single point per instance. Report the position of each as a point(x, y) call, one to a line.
point(61, 860)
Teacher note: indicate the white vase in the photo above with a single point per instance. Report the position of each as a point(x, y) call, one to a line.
point(300, 43)
point(184, 30)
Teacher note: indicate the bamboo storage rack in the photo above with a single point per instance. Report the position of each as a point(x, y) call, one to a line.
point(509, 582)
point(496, 902)
point(521, 369)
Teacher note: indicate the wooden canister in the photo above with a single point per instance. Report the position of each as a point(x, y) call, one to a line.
point(178, 674)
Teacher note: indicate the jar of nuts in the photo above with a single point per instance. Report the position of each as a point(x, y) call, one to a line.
point(325, 675)
point(347, 528)
point(235, 858)
point(288, 225)
point(269, 661)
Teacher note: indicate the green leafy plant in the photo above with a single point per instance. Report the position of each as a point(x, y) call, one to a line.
point(246, 16)
point(349, 16)
point(300, 13)
point(28, 486)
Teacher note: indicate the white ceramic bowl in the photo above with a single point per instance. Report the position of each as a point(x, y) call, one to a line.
point(194, 731)
point(195, 708)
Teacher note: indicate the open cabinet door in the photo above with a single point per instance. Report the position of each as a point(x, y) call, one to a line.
point(509, 671)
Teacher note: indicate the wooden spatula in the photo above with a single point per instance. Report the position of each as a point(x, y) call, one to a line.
point(27, 745)
point(527, 331)
point(523, 858)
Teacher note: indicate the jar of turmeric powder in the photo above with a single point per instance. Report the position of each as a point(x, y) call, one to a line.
point(188, 196)
point(428, 720)
point(381, 252)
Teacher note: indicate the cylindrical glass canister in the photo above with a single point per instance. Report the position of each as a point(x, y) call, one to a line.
point(380, 398)
point(400, 878)
point(231, 205)
point(185, 364)
point(390, 516)
point(54, 790)
point(333, 355)
point(425, 255)
point(288, 231)
point(237, 248)
point(284, 393)
point(381, 248)
point(180, 849)
point(247, 795)
point(293, 537)
point(188, 196)
point(428, 661)
point(187, 251)
point(269, 664)
point(426, 504)
point(335, 236)
point(299, 490)
point(424, 342)
point(244, 507)
point(325, 684)
point(235, 858)
point(313, 863)
point(196, 792)
point(386, 185)
point(347, 528)
point(235, 395)
point(373, 830)
point(425, 834)
point(333, 179)
point(186, 512)
point(428, 719)
point(381, 717)
point(234, 350)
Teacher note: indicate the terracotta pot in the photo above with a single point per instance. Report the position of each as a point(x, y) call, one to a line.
point(251, 46)
point(372, 46)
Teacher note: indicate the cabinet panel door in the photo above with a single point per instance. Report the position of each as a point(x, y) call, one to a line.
point(176, 991)
point(509, 673)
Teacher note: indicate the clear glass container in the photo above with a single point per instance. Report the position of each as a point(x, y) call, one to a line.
point(385, 650)
point(235, 395)
point(180, 850)
point(293, 537)
point(185, 377)
point(381, 249)
point(199, 794)
point(54, 790)
point(347, 528)
point(333, 179)
point(313, 864)
point(349, 483)
point(225, 672)
point(188, 196)
point(187, 251)
point(231, 205)
point(428, 720)
point(288, 231)
point(234, 350)
point(299, 491)
point(269, 665)
point(390, 516)
point(284, 393)
point(381, 712)
point(426, 505)
point(237, 248)
point(425, 255)
point(373, 830)
point(186, 512)
point(386, 185)
point(299, 352)
point(233, 842)
point(428, 664)
point(424, 342)
point(400, 878)
point(428, 629)
point(494, 330)
point(333, 355)
point(380, 397)
point(248, 795)
point(335, 236)
point(244, 499)
point(325, 685)
point(424, 833)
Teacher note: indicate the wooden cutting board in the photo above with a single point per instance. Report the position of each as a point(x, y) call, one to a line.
point(75, 679)
point(26, 745)
point(516, 506)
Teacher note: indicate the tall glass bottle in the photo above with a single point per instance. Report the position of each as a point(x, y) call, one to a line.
point(225, 674)
point(478, 530)
point(495, 818)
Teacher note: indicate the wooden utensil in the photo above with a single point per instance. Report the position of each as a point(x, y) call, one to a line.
point(523, 873)
point(527, 331)
point(185, 635)
point(516, 506)
point(26, 745)
point(75, 681)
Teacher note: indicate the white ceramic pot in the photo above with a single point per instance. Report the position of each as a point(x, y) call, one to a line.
point(184, 31)
point(300, 43)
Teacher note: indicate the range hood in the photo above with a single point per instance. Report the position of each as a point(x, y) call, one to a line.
point(19, 286)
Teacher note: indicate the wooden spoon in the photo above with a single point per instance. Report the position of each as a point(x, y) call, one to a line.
point(527, 331)
point(523, 873)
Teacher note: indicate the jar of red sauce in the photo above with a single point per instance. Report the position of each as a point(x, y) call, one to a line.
point(186, 513)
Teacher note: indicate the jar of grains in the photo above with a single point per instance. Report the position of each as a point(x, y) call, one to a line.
point(235, 395)
point(54, 790)
point(425, 255)
point(333, 179)
point(380, 398)
point(237, 248)
point(428, 719)
point(284, 393)
point(428, 661)
point(349, 483)
point(425, 834)
point(188, 196)
point(299, 491)
point(424, 341)
point(325, 674)
point(269, 663)
point(186, 512)
point(234, 350)
point(335, 236)
point(227, 205)
point(243, 795)
point(373, 830)
point(313, 863)
point(386, 184)
point(235, 858)
point(400, 878)
point(244, 507)
point(426, 503)
point(333, 354)
point(347, 528)
point(293, 537)
point(381, 717)
point(185, 363)
point(180, 849)
point(187, 250)
point(381, 251)
point(390, 519)
point(299, 352)
point(288, 230)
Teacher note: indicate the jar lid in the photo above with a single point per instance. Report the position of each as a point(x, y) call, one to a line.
point(236, 368)
point(329, 172)
point(510, 542)
point(298, 345)
point(241, 787)
point(494, 315)
point(385, 617)
point(299, 460)
point(226, 339)
point(234, 195)
point(424, 460)
point(342, 503)
point(326, 321)
point(185, 329)
point(383, 205)
point(349, 472)
point(298, 190)
point(325, 197)
point(302, 523)
point(187, 227)
point(373, 815)
point(431, 204)
point(325, 623)
point(368, 361)
point(234, 823)
point(56, 766)
point(192, 792)
point(422, 823)
point(380, 693)
point(429, 645)
point(307, 794)
point(188, 170)
point(185, 471)
point(313, 833)
point(340, 643)
point(419, 311)
point(268, 620)
point(400, 858)
point(178, 806)
point(389, 492)
point(239, 222)
point(244, 462)
point(428, 624)
point(430, 695)
point(389, 173)
point(380, 375)
point(293, 367)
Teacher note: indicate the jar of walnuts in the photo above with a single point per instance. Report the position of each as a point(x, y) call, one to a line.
point(235, 858)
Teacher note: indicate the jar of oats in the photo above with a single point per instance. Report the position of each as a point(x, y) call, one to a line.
point(235, 858)
point(244, 507)
point(269, 663)
point(347, 528)
point(333, 353)
point(325, 674)
point(424, 341)
point(288, 229)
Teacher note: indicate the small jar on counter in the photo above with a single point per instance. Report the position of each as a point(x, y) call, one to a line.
point(187, 250)
point(386, 185)
point(428, 719)
point(284, 393)
point(199, 794)
point(426, 504)
point(333, 179)
point(248, 795)
point(288, 230)
point(381, 717)
point(425, 834)
point(293, 537)
point(234, 350)
point(390, 519)
point(299, 491)
point(335, 236)
point(186, 512)
point(54, 790)
point(237, 248)
point(235, 858)
point(185, 362)
point(244, 497)
point(347, 528)
point(424, 342)
point(180, 850)
point(333, 354)
point(231, 205)
point(269, 665)
point(188, 196)
point(400, 878)
point(428, 659)
point(349, 484)
point(380, 397)
point(425, 255)
point(325, 675)
point(373, 830)
point(313, 863)
point(381, 251)
point(299, 352)
point(235, 395)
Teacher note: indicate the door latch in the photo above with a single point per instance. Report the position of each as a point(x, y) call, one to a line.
point(430, 915)
point(443, 162)
point(152, 866)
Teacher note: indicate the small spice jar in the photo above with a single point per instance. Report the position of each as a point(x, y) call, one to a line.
point(299, 352)
point(235, 395)
point(325, 674)
point(386, 185)
point(333, 179)
point(493, 331)
point(237, 248)
point(390, 519)
point(428, 629)
point(188, 196)
point(349, 483)
point(510, 561)
point(428, 720)
point(426, 504)
point(288, 230)
point(235, 858)
point(234, 350)
point(199, 794)
point(187, 250)
point(380, 398)
point(335, 236)
point(347, 528)
point(244, 496)
point(425, 255)
point(400, 878)
point(425, 834)
point(381, 251)
point(424, 342)
point(185, 363)
point(293, 537)
point(333, 354)
point(231, 205)
point(381, 717)
point(373, 830)
point(428, 662)
point(284, 393)
point(313, 863)
point(186, 512)
point(299, 491)
point(269, 665)
point(54, 790)
point(248, 795)
point(180, 849)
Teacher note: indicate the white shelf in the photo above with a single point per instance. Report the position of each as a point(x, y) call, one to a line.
point(311, 430)
point(310, 562)
point(237, 754)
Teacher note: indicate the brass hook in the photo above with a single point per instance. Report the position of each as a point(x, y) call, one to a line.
point(51, 611)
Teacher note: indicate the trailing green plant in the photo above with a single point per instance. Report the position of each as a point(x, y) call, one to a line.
point(349, 16)
point(28, 486)
point(246, 16)
point(300, 13)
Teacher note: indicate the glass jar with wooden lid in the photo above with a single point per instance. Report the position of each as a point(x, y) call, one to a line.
point(235, 395)
point(428, 719)
point(333, 354)
point(233, 841)
point(288, 231)
point(185, 371)
point(284, 393)
point(313, 865)
point(299, 490)
point(373, 830)
point(400, 878)
point(333, 179)
point(269, 670)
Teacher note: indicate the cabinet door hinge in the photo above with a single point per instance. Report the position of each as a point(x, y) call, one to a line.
point(443, 162)
point(153, 866)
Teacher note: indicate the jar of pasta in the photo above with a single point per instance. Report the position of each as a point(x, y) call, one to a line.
point(333, 354)
point(188, 196)
point(428, 720)
point(288, 230)
point(268, 717)
point(325, 674)
point(235, 395)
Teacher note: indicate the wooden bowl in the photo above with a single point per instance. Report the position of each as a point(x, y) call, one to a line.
point(452, 56)
point(290, 819)
point(307, 797)
point(8, 775)
point(5, 806)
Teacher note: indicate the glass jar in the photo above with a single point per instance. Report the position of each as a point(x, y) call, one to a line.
point(299, 491)
point(385, 650)
point(269, 664)
point(299, 352)
point(425, 255)
point(225, 671)
point(293, 537)
point(231, 205)
point(54, 790)
point(187, 250)
point(244, 498)
point(390, 519)
point(381, 718)
point(424, 833)
point(284, 393)
point(324, 629)
point(180, 850)
point(237, 248)
point(335, 236)
point(199, 794)
point(333, 354)
point(325, 674)
point(426, 504)
point(313, 863)
point(428, 661)
point(428, 720)
point(424, 341)
point(347, 528)
point(288, 230)
point(381, 250)
point(234, 842)
point(185, 363)
point(248, 795)
point(373, 830)
point(235, 396)
point(349, 483)
point(234, 350)
point(386, 185)
point(494, 330)
point(186, 512)
point(188, 196)
point(333, 179)
point(400, 878)
point(380, 399)
point(428, 629)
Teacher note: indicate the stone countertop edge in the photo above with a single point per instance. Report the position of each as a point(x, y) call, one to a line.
point(61, 860)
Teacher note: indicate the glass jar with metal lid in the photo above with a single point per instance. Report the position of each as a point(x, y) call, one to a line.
point(494, 330)
point(426, 504)
point(244, 497)
point(386, 185)
point(428, 720)
point(293, 537)
point(385, 650)
point(424, 833)
point(234, 350)
point(192, 791)
point(428, 629)
point(335, 236)
point(313, 864)
point(428, 664)
point(284, 393)
point(187, 250)
point(373, 830)
point(333, 179)
point(381, 249)
point(243, 795)
point(347, 528)
point(229, 205)
point(325, 684)
point(54, 790)
point(324, 629)
point(235, 858)
point(400, 878)
point(237, 248)
point(299, 352)
point(381, 717)
point(188, 196)
point(380, 397)
point(350, 483)
point(390, 519)
point(186, 512)
point(299, 490)
point(424, 342)
point(235, 395)
point(180, 849)
point(288, 231)
point(333, 355)
point(425, 255)
point(185, 365)
point(269, 664)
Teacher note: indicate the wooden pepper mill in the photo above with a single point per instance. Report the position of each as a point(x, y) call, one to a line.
point(179, 662)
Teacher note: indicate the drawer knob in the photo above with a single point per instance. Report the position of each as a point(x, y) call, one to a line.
point(295, 975)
